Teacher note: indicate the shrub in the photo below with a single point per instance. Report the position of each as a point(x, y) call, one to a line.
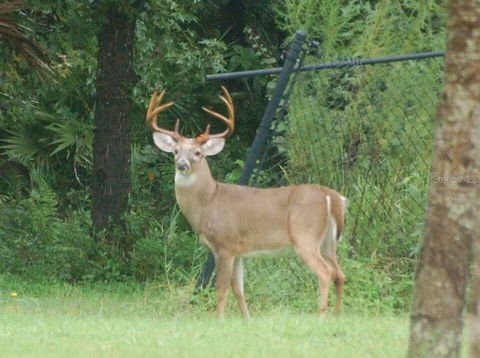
point(147, 259)
point(36, 242)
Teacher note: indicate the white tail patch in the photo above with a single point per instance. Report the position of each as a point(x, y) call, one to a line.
point(332, 224)
point(344, 202)
point(329, 206)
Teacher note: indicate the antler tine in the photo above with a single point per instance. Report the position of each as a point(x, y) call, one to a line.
point(207, 129)
point(177, 126)
point(154, 109)
point(230, 121)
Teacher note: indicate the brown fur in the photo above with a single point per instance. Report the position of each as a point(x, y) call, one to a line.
point(234, 221)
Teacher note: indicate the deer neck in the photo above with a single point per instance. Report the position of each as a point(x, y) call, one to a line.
point(194, 191)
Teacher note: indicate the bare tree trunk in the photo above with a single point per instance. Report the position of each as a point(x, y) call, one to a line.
point(441, 277)
point(111, 144)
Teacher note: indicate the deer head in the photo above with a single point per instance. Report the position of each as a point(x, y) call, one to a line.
point(189, 151)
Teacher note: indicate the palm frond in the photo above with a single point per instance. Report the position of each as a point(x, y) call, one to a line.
point(14, 35)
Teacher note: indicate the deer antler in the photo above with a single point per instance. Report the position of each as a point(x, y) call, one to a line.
point(230, 121)
point(154, 109)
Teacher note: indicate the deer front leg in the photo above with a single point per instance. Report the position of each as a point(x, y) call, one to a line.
point(224, 275)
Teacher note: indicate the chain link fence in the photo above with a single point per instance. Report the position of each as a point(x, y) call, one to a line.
point(365, 129)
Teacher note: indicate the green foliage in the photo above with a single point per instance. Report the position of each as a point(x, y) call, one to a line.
point(13, 35)
point(362, 128)
point(147, 259)
point(36, 242)
point(378, 285)
point(39, 242)
point(367, 131)
point(365, 28)
point(372, 284)
point(51, 141)
point(163, 248)
point(368, 134)
point(46, 125)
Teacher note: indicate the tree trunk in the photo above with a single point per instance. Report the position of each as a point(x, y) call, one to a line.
point(441, 277)
point(111, 144)
point(475, 302)
point(232, 22)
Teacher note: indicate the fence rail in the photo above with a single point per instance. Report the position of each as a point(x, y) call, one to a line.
point(322, 66)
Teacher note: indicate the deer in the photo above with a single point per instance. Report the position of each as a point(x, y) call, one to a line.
point(236, 221)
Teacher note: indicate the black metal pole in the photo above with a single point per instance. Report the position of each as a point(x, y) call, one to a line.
point(264, 129)
point(280, 115)
point(261, 136)
point(207, 272)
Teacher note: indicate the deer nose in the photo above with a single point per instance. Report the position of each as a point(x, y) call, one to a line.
point(182, 165)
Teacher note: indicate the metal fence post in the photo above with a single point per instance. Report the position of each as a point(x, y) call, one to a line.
point(262, 135)
point(264, 129)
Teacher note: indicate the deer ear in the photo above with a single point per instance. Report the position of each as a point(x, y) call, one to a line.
point(213, 146)
point(164, 142)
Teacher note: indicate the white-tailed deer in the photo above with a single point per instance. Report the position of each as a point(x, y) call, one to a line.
point(237, 221)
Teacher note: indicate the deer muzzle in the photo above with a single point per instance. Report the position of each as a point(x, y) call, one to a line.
point(183, 165)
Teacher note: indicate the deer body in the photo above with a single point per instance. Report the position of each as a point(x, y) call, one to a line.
point(242, 220)
point(237, 221)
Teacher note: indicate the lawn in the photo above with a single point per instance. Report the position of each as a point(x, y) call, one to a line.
point(119, 320)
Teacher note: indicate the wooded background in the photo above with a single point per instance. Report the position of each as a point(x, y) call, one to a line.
point(84, 195)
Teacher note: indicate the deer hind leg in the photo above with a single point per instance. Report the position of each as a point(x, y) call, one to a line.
point(312, 258)
point(237, 286)
point(328, 250)
point(339, 280)
point(306, 237)
point(224, 275)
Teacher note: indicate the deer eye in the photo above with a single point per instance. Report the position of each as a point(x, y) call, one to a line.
point(197, 153)
point(175, 151)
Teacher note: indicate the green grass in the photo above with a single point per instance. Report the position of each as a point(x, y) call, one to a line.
point(153, 320)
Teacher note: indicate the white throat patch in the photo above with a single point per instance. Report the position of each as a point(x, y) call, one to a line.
point(184, 180)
